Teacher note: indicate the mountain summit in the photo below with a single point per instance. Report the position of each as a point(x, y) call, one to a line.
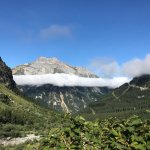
point(68, 99)
point(52, 65)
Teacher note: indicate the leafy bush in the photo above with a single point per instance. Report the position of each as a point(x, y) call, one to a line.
point(108, 134)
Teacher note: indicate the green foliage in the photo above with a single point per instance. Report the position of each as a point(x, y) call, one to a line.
point(108, 134)
point(123, 102)
point(4, 98)
point(10, 130)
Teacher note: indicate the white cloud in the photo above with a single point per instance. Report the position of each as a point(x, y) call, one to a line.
point(104, 67)
point(55, 31)
point(137, 67)
point(68, 80)
point(107, 68)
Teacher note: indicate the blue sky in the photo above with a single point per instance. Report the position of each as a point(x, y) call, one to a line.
point(74, 31)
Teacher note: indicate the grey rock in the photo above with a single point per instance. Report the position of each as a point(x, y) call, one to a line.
point(45, 65)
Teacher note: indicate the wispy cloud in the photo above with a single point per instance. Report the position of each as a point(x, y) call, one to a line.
point(68, 80)
point(52, 32)
point(55, 31)
point(106, 67)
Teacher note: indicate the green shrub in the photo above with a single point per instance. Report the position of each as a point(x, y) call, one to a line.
point(108, 134)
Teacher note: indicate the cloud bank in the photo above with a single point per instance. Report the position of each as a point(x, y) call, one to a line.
point(112, 74)
point(69, 80)
point(109, 68)
point(137, 67)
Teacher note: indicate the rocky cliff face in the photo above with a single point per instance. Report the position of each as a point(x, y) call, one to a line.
point(45, 65)
point(67, 99)
point(6, 76)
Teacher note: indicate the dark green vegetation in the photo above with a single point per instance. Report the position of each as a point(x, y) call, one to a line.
point(109, 134)
point(20, 114)
point(128, 99)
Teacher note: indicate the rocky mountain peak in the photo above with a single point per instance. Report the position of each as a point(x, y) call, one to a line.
point(6, 75)
point(44, 65)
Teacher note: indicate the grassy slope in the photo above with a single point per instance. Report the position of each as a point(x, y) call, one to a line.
point(20, 112)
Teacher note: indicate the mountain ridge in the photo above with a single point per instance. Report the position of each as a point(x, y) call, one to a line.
point(44, 65)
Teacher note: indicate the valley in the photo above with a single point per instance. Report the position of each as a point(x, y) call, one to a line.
point(50, 117)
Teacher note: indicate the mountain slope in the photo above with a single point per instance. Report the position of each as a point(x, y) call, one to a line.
point(6, 76)
point(16, 111)
point(67, 99)
point(130, 98)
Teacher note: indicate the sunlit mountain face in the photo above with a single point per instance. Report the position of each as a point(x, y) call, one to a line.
point(54, 84)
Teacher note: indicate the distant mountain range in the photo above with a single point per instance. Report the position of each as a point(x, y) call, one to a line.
point(67, 99)
point(94, 102)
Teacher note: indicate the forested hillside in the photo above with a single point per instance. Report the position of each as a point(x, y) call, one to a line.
point(129, 99)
